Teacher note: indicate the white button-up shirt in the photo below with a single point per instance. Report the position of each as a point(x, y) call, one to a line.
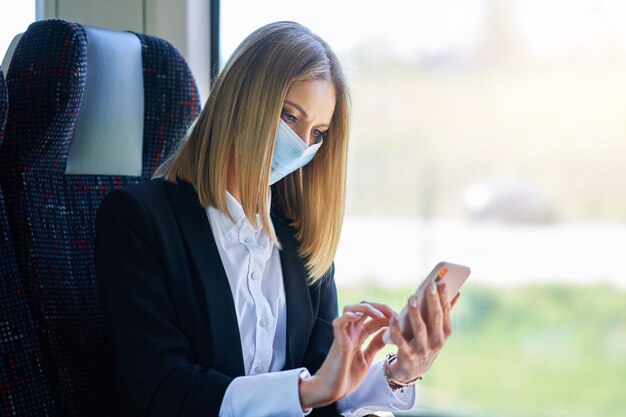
point(252, 265)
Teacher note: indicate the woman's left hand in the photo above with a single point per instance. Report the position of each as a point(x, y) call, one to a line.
point(431, 328)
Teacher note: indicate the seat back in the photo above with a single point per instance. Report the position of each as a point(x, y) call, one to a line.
point(52, 212)
point(24, 387)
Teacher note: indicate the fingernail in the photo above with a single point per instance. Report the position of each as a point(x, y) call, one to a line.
point(393, 320)
point(413, 301)
point(433, 288)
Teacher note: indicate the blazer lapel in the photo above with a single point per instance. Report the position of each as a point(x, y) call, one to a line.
point(299, 306)
point(196, 231)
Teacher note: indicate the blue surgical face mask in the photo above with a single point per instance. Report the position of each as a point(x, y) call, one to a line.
point(290, 152)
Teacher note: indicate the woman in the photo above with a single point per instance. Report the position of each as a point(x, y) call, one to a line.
point(220, 290)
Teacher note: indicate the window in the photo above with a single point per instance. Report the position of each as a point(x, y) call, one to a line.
point(15, 16)
point(489, 133)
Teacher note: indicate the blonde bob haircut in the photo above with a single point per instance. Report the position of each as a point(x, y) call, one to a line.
point(242, 114)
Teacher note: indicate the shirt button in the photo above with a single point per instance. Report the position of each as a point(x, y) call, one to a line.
point(258, 370)
point(262, 323)
point(254, 275)
point(248, 240)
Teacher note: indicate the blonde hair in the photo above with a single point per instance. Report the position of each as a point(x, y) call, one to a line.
point(242, 112)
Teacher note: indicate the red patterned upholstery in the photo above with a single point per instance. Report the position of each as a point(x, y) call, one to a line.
point(52, 214)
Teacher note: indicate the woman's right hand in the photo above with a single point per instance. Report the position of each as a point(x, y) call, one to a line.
point(346, 365)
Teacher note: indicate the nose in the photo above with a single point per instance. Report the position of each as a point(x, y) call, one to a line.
point(304, 135)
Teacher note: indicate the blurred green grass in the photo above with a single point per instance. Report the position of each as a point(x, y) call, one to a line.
point(525, 351)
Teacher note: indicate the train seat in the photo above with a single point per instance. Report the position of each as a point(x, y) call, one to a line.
point(91, 110)
point(21, 373)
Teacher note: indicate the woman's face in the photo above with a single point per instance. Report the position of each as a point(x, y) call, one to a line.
point(308, 109)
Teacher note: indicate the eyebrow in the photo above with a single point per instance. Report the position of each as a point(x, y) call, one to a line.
point(299, 107)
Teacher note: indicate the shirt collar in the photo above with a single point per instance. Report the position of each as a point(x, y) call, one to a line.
point(236, 210)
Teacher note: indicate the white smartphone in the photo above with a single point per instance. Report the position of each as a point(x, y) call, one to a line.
point(454, 275)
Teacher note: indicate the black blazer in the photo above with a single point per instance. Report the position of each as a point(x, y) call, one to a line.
point(170, 310)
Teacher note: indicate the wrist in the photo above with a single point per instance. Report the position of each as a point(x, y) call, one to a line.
point(399, 373)
point(304, 392)
point(396, 376)
point(310, 393)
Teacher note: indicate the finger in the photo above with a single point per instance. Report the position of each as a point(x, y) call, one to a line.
point(341, 329)
point(346, 318)
point(360, 328)
point(357, 321)
point(373, 325)
point(353, 316)
point(383, 308)
point(375, 345)
point(366, 322)
point(418, 326)
point(370, 326)
point(456, 297)
point(445, 307)
point(396, 335)
point(364, 308)
point(434, 318)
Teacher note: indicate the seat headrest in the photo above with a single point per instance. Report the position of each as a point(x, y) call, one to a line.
point(9, 54)
point(108, 136)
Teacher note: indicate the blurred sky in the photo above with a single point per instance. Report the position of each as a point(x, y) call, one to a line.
point(408, 27)
point(413, 27)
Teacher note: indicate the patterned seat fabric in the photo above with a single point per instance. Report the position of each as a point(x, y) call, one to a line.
point(52, 215)
point(22, 380)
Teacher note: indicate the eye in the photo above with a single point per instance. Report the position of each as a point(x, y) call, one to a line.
point(318, 134)
point(288, 117)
